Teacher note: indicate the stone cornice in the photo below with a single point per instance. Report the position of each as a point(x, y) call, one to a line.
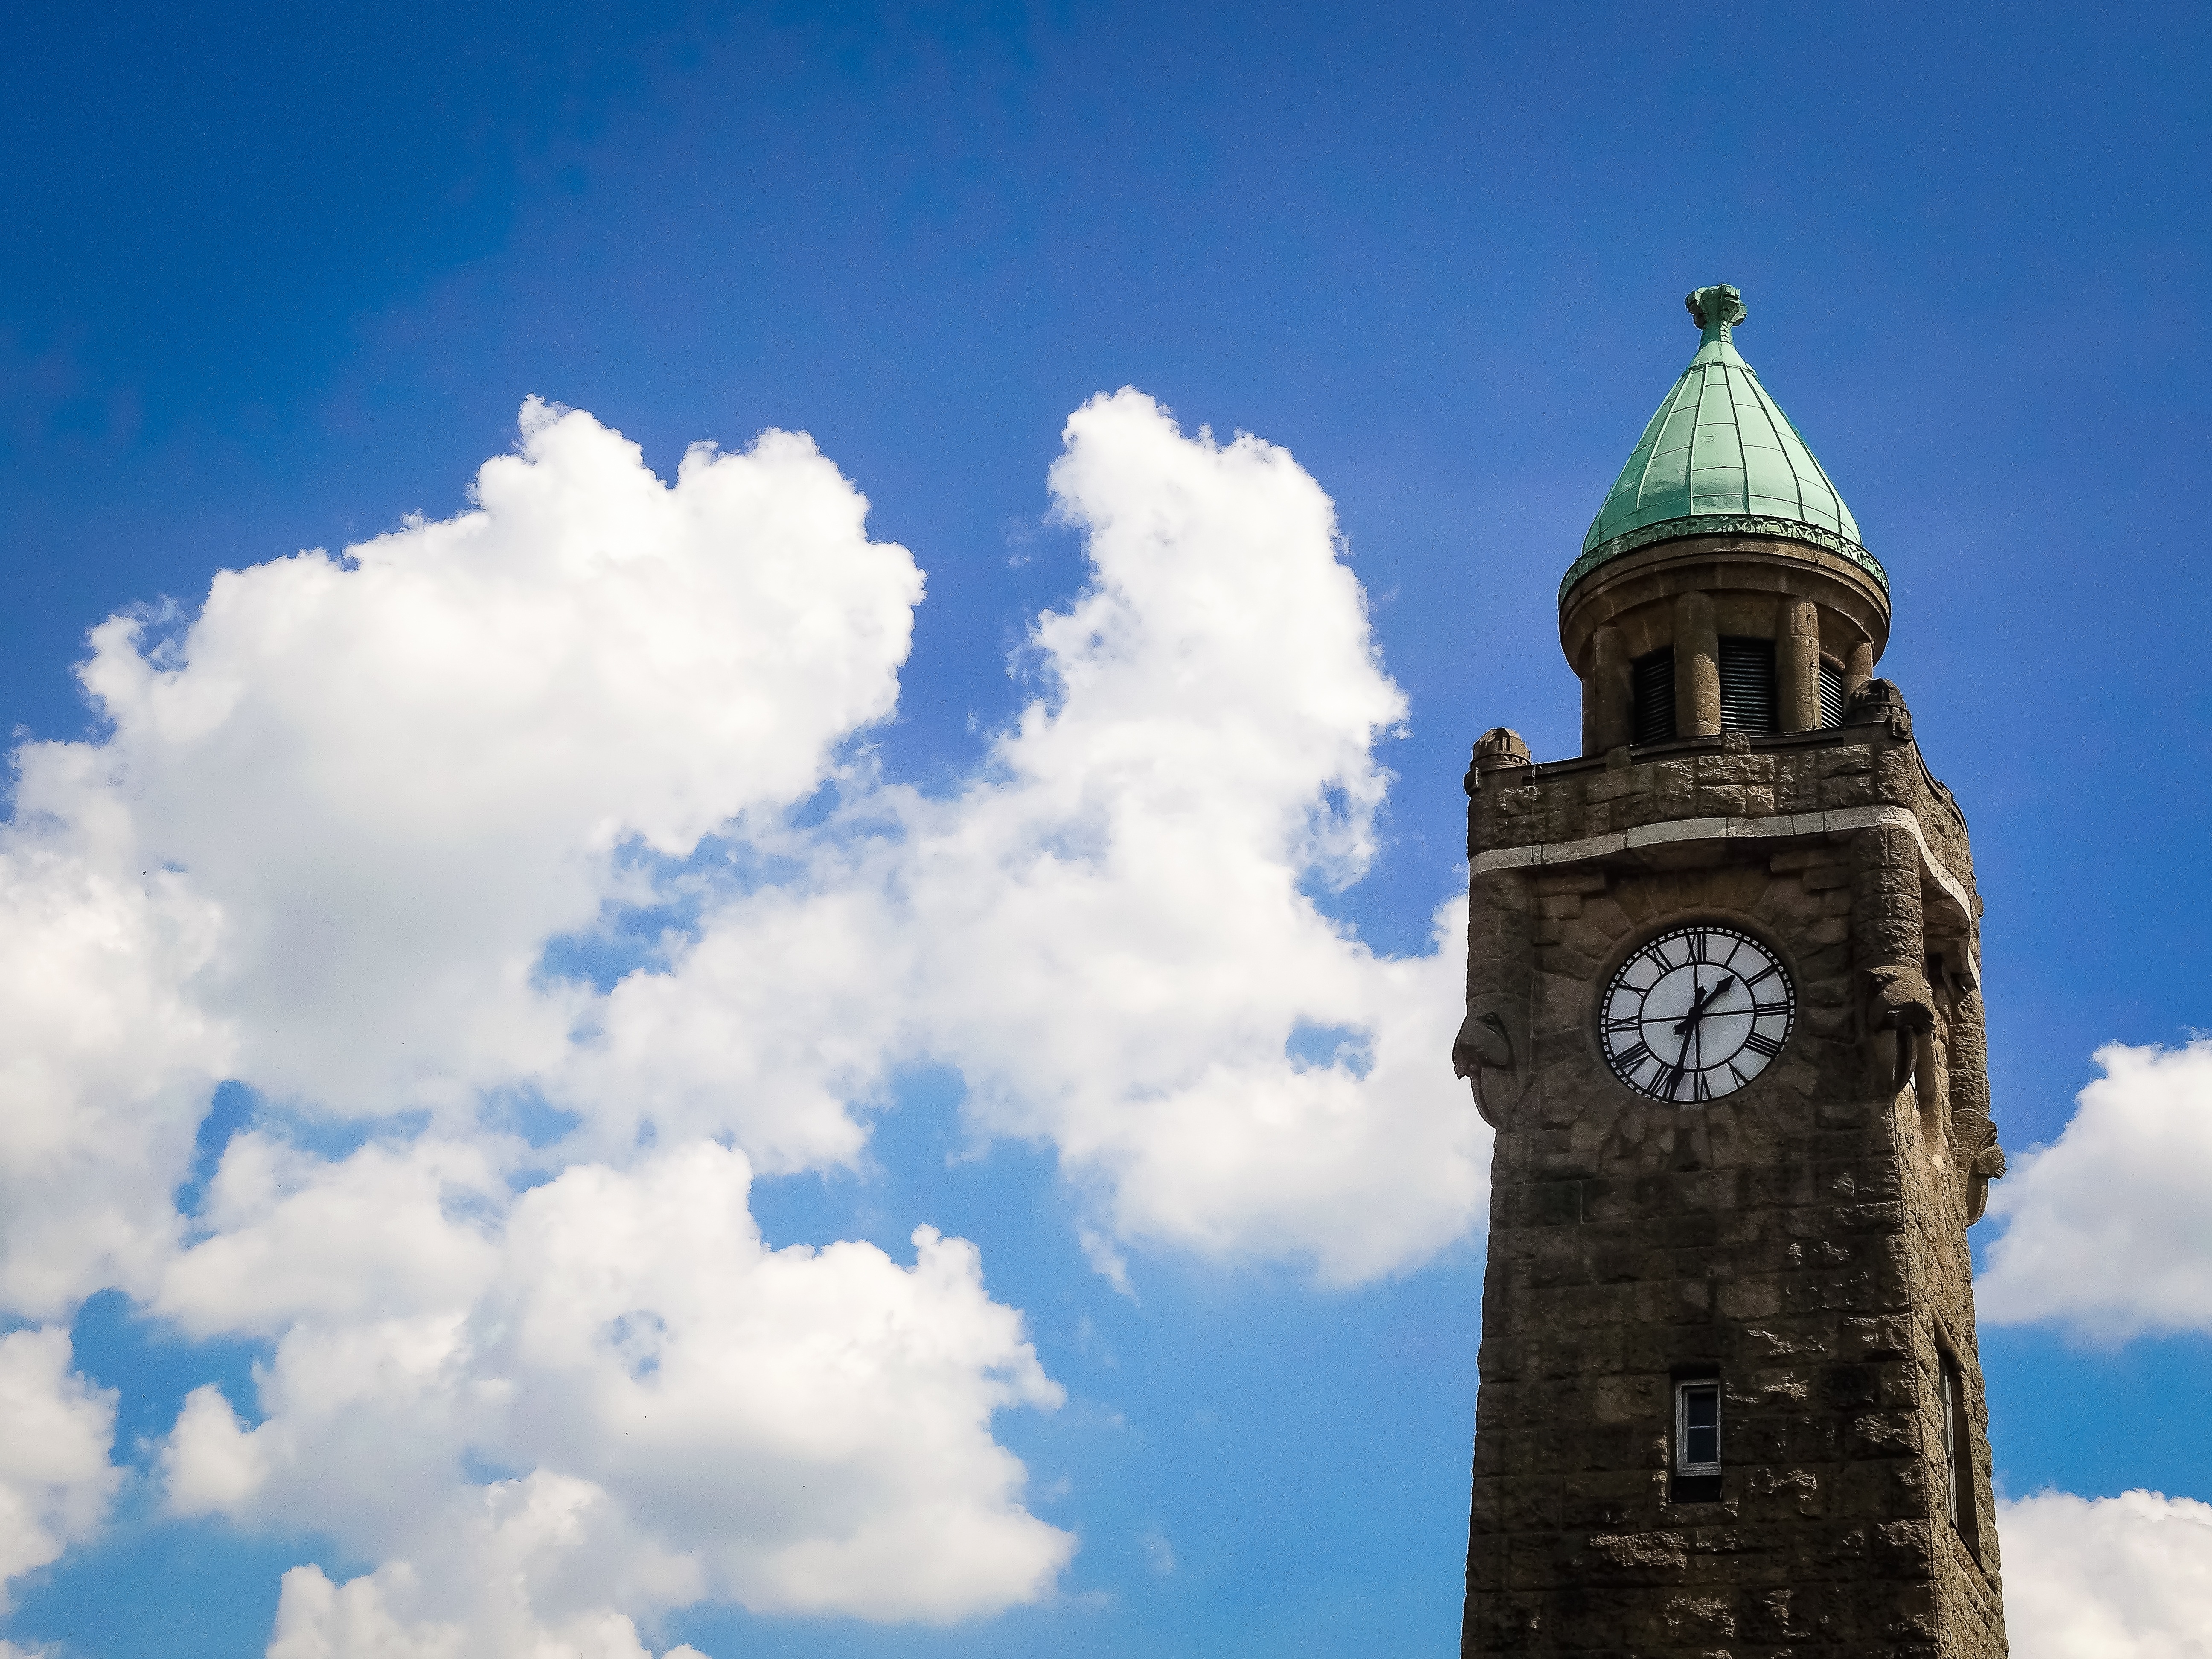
point(1724, 524)
point(1838, 821)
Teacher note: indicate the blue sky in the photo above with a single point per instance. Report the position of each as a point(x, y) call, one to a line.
point(267, 285)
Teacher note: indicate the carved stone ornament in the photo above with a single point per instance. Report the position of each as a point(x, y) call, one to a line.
point(1900, 1009)
point(1975, 1138)
point(1486, 1043)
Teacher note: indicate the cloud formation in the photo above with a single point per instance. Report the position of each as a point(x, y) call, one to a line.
point(2125, 1577)
point(55, 1479)
point(2103, 1229)
point(351, 828)
point(1111, 932)
point(676, 1412)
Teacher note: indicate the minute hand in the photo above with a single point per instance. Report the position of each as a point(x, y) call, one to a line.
point(1686, 1029)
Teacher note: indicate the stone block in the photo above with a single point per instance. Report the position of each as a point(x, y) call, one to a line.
point(1883, 1434)
point(1735, 768)
point(1616, 785)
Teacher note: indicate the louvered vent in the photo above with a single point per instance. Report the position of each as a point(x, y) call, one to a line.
point(1746, 685)
point(1653, 684)
point(1832, 696)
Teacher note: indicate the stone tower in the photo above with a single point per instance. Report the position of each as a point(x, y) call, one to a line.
point(1723, 1011)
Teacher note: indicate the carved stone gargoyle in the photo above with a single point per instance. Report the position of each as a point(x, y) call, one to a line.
point(1490, 1041)
point(1901, 1010)
point(1980, 1156)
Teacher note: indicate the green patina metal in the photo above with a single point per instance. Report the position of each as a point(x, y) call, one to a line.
point(1720, 457)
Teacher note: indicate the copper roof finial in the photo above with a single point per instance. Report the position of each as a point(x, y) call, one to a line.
point(1716, 309)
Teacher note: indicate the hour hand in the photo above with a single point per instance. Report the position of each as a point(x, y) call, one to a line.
point(1698, 1008)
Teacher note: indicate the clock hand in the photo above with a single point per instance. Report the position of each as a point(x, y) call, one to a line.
point(1698, 1008)
point(1674, 1077)
point(1684, 1029)
point(1688, 1028)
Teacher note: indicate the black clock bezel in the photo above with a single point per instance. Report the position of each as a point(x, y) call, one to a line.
point(1642, 941)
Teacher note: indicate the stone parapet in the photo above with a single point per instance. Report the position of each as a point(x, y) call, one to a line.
point(1802, 783)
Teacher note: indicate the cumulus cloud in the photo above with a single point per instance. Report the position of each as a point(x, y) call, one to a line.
point(2125, 1577)
point(382, 1615)
point(2103, 1229)
point(400, 772)
point(688, 1413)
point(349, 825)
point(107, 1063)
point(1112, 932)
point(55, 1479)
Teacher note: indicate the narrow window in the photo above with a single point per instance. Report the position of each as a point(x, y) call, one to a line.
point(1959, 1496)
point(1746, 685)
point(1698, 1427)
point(1958, 1455)
point(1832, 696)
point(1652, 683)
point(1950, 1443)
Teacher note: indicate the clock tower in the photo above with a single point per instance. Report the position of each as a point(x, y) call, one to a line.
point(1723, 1011)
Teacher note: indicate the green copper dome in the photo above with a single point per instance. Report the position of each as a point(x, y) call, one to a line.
point(1720, 457)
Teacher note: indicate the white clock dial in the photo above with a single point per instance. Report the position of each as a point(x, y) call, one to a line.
point(1696, 1014)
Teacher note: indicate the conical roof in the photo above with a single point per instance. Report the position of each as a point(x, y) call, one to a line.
point(1720, 457)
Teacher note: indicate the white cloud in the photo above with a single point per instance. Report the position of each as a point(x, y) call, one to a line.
point(400, 772)
point(1128, 947)
point(107, 1065)
point(2125, 1577)
point(526, 1536)
point(1110, 933)
point(2105, 1229)
point(338, 823)
point(689, 1413)
point(55, 1430)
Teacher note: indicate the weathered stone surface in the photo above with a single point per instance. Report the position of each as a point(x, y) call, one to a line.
point(1802, 1239)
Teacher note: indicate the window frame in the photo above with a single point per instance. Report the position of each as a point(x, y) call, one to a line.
point(1961, 1475)
point(1946, 1403)
point(1684, 1387)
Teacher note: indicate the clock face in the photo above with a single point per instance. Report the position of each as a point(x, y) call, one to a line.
point(1696, 1014)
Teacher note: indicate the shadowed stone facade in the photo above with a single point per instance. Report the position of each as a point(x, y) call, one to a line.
point(1798, 1244)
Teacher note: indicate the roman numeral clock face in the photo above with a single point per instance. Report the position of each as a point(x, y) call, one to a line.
point(1695, 1014)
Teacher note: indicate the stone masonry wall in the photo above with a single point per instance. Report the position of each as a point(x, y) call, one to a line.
point(1803, 1238)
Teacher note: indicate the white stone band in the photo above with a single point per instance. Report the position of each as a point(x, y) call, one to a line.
point(1841, 821)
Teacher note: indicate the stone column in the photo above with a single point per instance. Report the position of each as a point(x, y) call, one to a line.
point(1896, 1009)
point(1608, 717)
point(1858, 671)
point(1697, 667)
point(1969, 1058)
point(1798, 667)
